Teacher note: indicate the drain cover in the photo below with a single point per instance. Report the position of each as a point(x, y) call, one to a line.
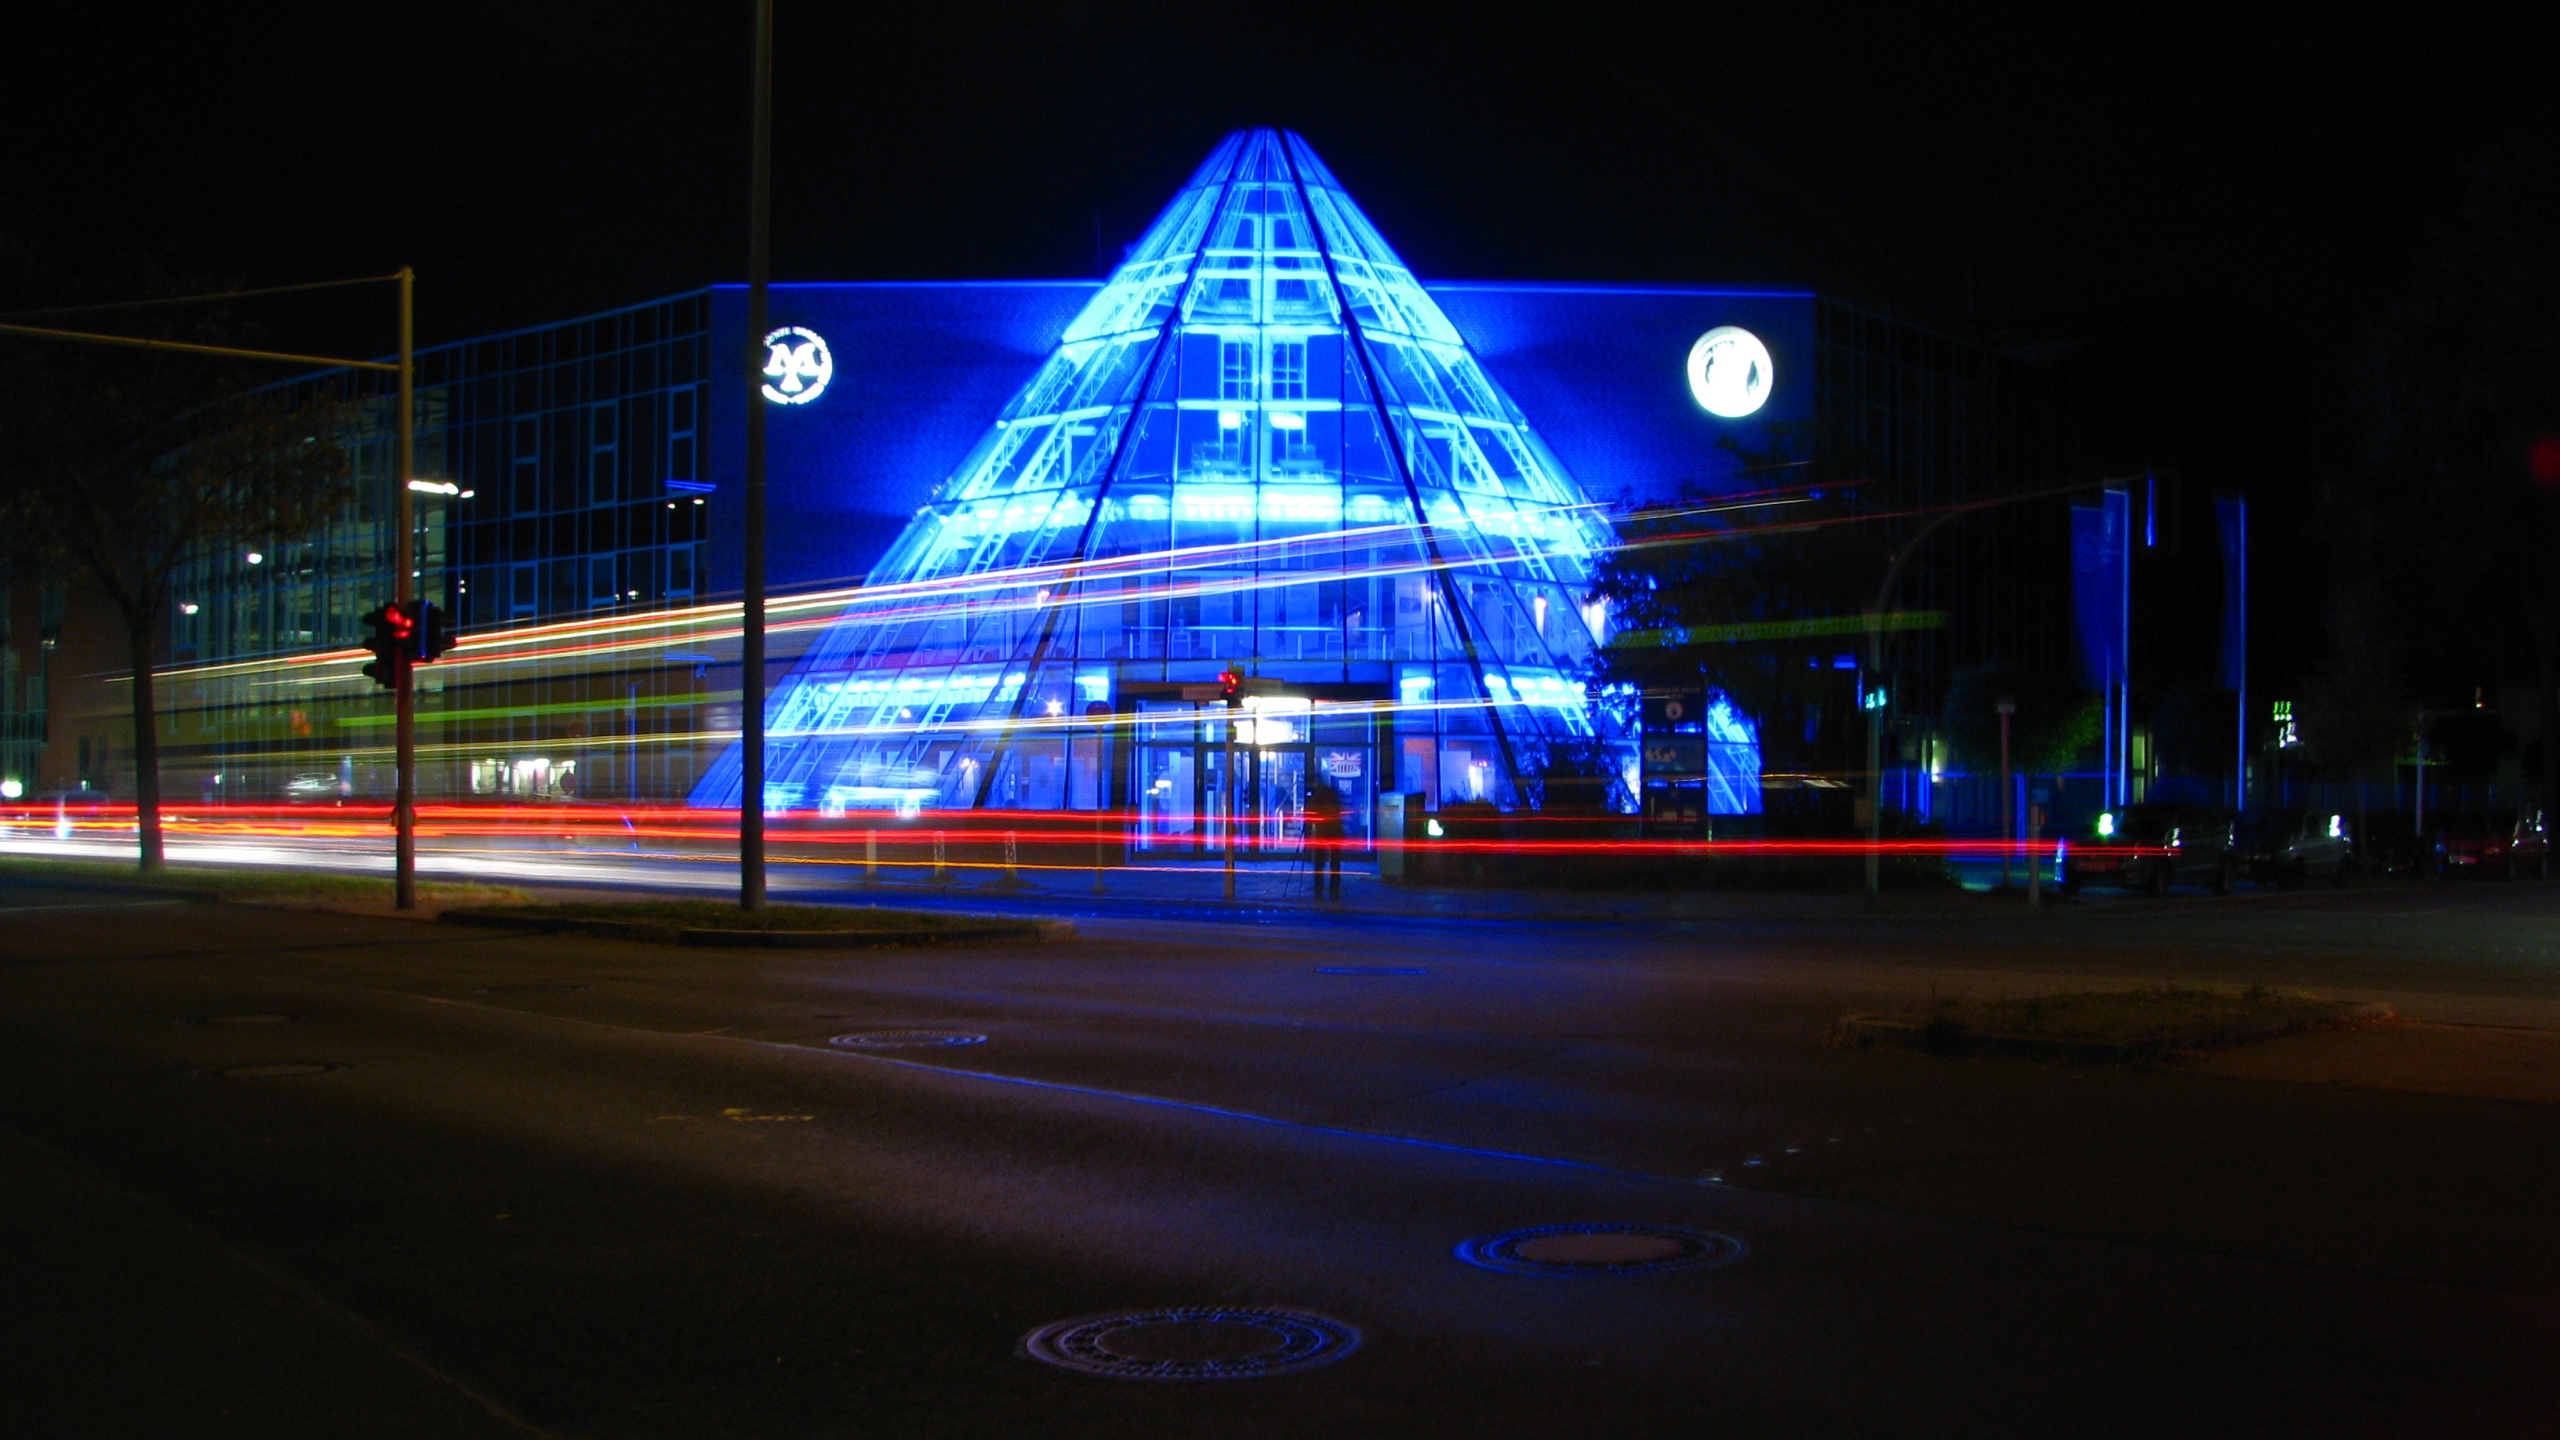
point(278, 1069)
point(1192, 1343)
point(1371, 970)
point(1599, 1250)
point(907, 1039)
point(256, 1019)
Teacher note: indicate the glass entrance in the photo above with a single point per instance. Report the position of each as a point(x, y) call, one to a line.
point(1284, 745)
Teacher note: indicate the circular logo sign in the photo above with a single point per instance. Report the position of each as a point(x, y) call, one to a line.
point(797, 366)
point(1729, 372)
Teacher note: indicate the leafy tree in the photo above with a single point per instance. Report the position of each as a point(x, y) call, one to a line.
point(2356, 713)
point(1754, 601)
point(2459, 391)
point(2056, 721)
point(118, 466)
point(2194, 730)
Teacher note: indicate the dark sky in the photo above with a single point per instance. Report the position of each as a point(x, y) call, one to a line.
point(536, 161)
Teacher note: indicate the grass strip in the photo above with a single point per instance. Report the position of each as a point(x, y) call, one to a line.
point(726, 915)
point(2120, 1017)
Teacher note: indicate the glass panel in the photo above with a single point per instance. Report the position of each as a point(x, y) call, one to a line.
point(1213, 468)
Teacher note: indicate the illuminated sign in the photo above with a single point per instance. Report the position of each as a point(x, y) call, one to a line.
point(797, 366)
point(1729, 372)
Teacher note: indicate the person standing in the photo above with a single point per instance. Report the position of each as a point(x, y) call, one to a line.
point(1325, 837)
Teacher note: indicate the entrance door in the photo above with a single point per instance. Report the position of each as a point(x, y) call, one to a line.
point(1283, 745)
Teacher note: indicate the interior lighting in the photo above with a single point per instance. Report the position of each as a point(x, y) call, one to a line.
point(254, 558)
point(435, 487)
point(2107, 824)
point(188, 608)
point(1230, 419)
point(1288, 420)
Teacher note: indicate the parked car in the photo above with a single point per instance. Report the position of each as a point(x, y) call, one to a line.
point(2292, 847)
point(2152, 847)
point(2502, 845)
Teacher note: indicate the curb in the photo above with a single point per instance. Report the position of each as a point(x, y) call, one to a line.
point(116, 887)
point(1919, 1035)
point(660, 932)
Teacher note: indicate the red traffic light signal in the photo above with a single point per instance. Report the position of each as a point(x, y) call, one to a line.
point(401, 637)
point(390, 633)
point(1230, 684)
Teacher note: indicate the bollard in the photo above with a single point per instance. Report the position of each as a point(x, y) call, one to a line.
point(941, 874)
point(1011, 877)
point(870, 857)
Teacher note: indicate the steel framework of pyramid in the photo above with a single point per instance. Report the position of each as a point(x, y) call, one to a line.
point(1261, 447)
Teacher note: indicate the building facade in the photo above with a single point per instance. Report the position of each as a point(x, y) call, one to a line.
point(1052, 510)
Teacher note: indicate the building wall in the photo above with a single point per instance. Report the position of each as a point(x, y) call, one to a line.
point(601, 465)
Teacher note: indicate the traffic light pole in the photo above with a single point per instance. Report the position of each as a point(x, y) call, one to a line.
point(404, 522)
point(404, 696)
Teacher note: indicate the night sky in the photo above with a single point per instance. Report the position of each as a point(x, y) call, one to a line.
point(539, 161)
point(2217, 203)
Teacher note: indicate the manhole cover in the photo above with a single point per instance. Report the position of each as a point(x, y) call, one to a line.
point(1599, 1250)
point(1372, 970)
point(907, 1039)
point(530, 988)
point(1192, 1343)
point(277, 1069)
point(262, 1018)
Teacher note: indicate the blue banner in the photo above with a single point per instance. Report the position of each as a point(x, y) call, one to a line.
point(2098, 583)
point(2233, 512)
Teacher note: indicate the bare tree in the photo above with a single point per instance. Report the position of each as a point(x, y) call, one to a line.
point(120, 482)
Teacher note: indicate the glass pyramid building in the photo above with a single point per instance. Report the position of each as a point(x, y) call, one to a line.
point(1261, 448)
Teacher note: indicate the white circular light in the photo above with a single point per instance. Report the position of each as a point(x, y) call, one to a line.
point(797, 366)
point(1729, 372)
point(11, 789)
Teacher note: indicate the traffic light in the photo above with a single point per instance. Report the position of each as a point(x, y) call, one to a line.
point(435, 633)
point(392, 635)
point(1230, 685)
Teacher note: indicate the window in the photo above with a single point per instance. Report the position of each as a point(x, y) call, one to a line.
point(1289, 370)
point(680, 434)
point(607, 447)
point(1235, 370)
point(680, 570)
point(524, 595)
point(601, 589)
point(524, 494)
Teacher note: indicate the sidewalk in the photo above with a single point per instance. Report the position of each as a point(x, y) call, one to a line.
point(1269, 890)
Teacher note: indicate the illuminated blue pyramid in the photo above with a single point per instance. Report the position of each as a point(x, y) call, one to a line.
point(1261, 447)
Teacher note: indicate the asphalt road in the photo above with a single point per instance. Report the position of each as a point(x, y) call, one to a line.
point(578, 1187)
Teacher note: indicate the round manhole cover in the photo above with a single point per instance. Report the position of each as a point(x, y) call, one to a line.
point(1599, 1250)
point(277, 1069)
point(1372, 970)
point(1192, 1343)
point(257, 1018)
point(907, 1039)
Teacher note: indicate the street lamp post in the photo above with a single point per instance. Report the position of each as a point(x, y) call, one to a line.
point(1875, 654)
point(751, 633)
point(2008, 820)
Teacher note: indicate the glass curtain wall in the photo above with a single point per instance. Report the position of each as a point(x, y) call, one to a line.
point(1260, 448)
